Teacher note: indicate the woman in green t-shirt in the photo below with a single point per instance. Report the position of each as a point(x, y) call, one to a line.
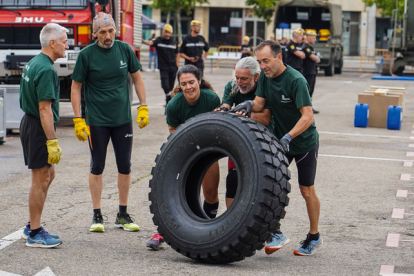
point(191, 97)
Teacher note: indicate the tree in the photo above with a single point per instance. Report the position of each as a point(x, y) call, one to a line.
point(263, 8)
point(387, 6)
point(166, 6)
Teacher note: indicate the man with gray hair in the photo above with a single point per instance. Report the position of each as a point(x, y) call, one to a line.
point(103, 69)
point(242, 89)
point(39, 99)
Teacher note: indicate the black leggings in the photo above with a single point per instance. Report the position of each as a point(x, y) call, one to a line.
point(167, 80)
point(306, 164)
point(311, 79)
point(121, 138)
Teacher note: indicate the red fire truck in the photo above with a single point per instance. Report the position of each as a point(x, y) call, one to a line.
point(22, 20)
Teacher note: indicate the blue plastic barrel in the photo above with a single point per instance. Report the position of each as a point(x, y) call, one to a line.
point(361, 115)
point(394, 117)
point(283, 25)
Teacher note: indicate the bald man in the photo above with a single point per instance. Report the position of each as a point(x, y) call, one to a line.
point(103, 68)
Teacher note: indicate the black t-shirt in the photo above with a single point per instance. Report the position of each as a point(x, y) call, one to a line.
point(194, 47)
point(309, 66)
point(246, 48)
point(291, 59)
point(284, 52)
point(166, 49)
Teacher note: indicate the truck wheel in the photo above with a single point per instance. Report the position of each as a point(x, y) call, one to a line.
point(338, 70)
point(261, 197)
point(329, 71)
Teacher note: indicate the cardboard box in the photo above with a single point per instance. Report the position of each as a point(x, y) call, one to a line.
point(378, 107)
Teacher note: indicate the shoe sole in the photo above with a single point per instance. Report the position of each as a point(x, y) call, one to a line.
point(300, 254)
point(271, 250)
point(126, 229)
point(154, 247)
point(97, 229)
point(38, 245)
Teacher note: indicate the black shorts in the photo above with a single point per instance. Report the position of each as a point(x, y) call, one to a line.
point(306, 164)
point(121, 138)
point(33, 139)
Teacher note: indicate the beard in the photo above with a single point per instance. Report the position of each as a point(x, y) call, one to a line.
point(246, 89)
point(105, 45)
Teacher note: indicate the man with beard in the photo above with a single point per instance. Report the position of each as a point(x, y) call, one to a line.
point(309, 63)
point(168, 60)
point(103, 68)
point(242, 89)
point(193, 46)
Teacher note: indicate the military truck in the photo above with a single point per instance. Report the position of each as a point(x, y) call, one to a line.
point(402, 43)
point(323, 17)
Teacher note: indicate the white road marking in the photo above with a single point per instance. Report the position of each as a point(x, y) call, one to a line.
point(7, 240)
point(363, 158)
point(45, 272)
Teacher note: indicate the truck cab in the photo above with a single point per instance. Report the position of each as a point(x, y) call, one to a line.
point(22, 21)
point(321, 16)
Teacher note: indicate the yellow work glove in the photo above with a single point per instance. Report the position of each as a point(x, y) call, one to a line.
point(143, 118)
point(54, 151)
point(81, 129)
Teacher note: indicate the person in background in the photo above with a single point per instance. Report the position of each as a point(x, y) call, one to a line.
point(39, 99)
point(193, 46)
point(310, 63)
point(294, 55)
point(167, 50)
point(245, 49)
point(153, 55)
point(283, 44)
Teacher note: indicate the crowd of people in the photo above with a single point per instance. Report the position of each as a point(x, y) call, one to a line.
point(265, 88)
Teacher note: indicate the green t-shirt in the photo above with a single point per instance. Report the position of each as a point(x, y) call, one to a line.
point(236, 98)
point(286, 94)
point(178, 110)
point(104, 72)
point(40, 82)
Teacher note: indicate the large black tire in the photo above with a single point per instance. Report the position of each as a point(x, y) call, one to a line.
point(261, 197)
point(338, 70)
point(329, 70)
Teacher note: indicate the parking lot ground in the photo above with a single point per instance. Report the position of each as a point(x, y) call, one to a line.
point(358, 176)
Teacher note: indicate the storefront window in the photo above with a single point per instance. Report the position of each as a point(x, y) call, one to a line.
point(225, 27)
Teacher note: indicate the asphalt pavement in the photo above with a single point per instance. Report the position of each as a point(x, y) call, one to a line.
point(358, 176)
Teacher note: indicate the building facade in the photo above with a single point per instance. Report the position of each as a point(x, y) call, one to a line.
point(227, 22)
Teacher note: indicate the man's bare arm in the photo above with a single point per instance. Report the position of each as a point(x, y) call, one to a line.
point(75, 97)
point(139, 87)
point(304, 122)
point(46, 119)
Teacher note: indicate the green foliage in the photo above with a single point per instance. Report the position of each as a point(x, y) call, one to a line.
point(173, 5)
point(387, 6)
point(263, 8)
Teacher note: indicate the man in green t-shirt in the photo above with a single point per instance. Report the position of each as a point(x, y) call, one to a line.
point(103, 69)
point(286, 91)
point(39, 99)
point(242, 89)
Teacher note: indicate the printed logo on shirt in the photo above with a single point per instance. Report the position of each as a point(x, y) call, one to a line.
point(285, 100)
point(25, 77)
point(292, 46)
point(123, 64)
point(307, 50)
